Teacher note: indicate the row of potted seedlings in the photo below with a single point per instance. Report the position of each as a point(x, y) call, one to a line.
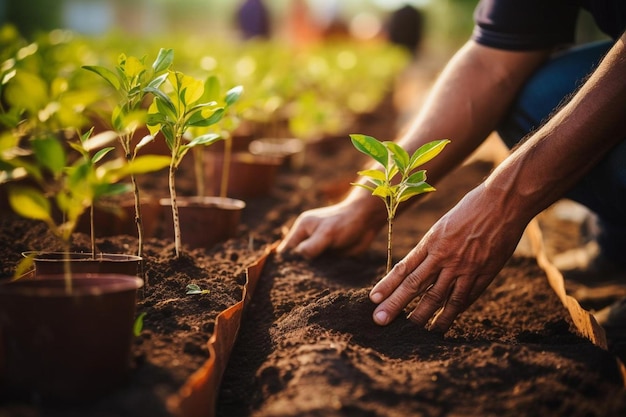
point(59, 166)
point(59, 180)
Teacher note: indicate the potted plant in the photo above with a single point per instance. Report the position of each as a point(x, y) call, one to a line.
point(131, 80)
point(65, 337)
point(395, 161)
point(187, 104)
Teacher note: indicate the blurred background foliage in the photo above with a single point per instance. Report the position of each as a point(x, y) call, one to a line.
point(447, 22)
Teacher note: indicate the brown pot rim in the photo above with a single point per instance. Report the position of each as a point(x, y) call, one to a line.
point(52, 256)
point(224, 203)
point(82, 285)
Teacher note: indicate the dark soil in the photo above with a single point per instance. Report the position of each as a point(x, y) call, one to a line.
point(308, 346)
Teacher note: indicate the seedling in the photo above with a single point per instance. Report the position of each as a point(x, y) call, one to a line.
point(193, 289)
point(138, 324)
point(130, 79)
point(173, 113)
point(395, 160)
point(73, 187)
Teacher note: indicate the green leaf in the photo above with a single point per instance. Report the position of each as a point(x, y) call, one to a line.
point(399, 155)
point(163, 61)
point(160, 95)
point(101, 154)
point(206, 117)
point(232, 95)
point(414, 190)
point(27, 91)
point(145, 163)
point(195, 289)
point(156, 83)
point(367, 187)
point(373, 173)
point(100, 140)
point(206, 140)
point(212, 89)
point(105, 73)
point(50, 153)
point(417, 177)
point(138, 324)
point(382, 191)
point(427, 152)
point(371, 147)
point(144, 141)
point(30, 203)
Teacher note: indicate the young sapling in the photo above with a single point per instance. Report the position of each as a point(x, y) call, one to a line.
point(395, 161)
point(130, 79)
point(173, 113)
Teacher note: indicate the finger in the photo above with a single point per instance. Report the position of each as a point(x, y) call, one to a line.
point(433, 299)
point(463, 294)
point(296, 234)
point(404, 269)
point(416, 282)
point(314, 245)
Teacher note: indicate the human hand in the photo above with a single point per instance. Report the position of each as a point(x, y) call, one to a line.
point(452, 265)
point(343, 227)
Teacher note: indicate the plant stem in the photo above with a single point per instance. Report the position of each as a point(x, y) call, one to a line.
point(389, 244)
point(226, 166)
point(92, 226)
point(138, 222)
point(175, 219)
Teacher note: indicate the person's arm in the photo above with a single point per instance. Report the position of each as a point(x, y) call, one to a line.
point(466, 248)
point(469, 97)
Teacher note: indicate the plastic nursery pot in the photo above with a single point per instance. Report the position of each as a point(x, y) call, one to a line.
point(290, 150)
point(52, 263)
point(107, 223)
point(204, 221)
point(65, 348)
point(250, 176)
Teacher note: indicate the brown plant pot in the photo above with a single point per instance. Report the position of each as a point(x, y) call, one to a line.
point(65, 348)
point(52, 263)
point(204, 221)
point(108, 223)
point(250, 176)
point(290, 150)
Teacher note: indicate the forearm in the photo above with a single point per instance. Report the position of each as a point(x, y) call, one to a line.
point(561, 152)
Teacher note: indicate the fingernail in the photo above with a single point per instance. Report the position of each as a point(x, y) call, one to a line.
point(381, 317)
point(376, 297)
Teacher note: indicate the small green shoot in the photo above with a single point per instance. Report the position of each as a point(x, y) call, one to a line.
point(395, 160)
point(138, 325)
point(193, 289)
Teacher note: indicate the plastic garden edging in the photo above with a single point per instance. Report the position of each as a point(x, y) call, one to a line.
point(198, 396)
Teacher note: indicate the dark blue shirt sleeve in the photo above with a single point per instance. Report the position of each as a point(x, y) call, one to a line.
point(525, 24)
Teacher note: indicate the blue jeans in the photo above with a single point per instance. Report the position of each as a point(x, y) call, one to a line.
point(603, 190)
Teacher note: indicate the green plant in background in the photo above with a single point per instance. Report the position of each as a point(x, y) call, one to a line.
point(173, 113)
point(395, 161)
point(70, 186)
point(132, 79)
point(228, 122)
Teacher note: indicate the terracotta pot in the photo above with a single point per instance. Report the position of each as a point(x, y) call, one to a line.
point(204, 221)
point(108, 223)
point(51, 263)
point(290, 150)
point(250, 176)
point(66, 348)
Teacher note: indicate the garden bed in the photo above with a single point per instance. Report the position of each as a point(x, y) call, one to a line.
point(308, 346)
